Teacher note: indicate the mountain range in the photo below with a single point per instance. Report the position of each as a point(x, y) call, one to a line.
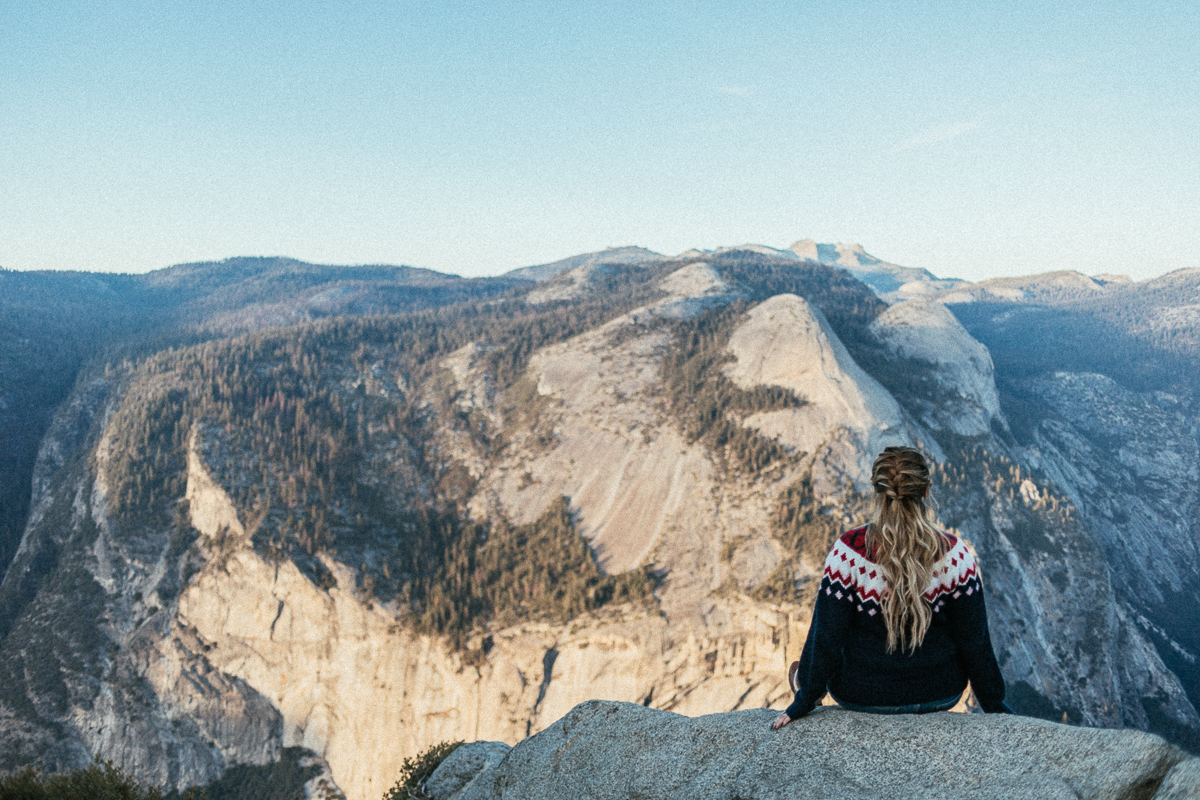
point(261, 510)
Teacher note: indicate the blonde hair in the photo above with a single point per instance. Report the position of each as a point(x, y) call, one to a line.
point(905, 543)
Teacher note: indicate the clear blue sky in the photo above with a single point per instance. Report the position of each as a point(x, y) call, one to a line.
point(974, 139)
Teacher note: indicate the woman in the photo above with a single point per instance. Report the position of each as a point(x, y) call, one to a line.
point(899, 625)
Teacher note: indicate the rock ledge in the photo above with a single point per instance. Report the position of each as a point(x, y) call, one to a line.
point(622, 751)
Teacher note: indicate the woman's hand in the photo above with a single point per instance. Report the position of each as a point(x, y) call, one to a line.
point(780, 721)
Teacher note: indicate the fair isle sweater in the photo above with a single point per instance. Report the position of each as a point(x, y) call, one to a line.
point(846, 649)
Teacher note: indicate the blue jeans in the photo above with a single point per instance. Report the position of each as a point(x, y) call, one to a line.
point(915, 708)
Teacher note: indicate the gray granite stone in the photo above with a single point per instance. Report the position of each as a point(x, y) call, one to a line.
point(622, 751)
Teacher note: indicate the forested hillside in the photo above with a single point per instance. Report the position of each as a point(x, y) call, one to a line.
point(299, 423)
point(53, 324)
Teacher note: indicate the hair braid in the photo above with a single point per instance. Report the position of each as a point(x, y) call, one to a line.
point(905, 544)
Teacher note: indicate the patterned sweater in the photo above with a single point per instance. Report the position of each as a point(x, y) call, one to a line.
point(846, 649)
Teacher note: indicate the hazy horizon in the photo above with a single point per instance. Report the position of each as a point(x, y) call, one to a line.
point(460, 273)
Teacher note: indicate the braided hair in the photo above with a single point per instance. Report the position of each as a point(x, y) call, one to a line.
point(905, 543)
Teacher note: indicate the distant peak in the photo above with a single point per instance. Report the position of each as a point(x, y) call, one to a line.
point(837, 254)
point(806, 249)
point(846, 255)
point(610, 255)
point(761, 249)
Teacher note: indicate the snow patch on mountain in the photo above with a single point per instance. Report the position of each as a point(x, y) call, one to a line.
point(891, 282)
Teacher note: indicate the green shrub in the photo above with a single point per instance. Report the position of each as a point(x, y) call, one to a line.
point(280, 780)
point(95, 782)
point(416, 770)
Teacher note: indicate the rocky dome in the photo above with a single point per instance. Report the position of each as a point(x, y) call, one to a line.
point(787, 342)
point(923, 329)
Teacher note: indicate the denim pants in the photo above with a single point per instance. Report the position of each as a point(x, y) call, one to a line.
point(915, 708)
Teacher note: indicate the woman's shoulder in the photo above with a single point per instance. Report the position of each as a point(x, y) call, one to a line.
point(955, 573)
point(854, 545)
point(957, 560)
point(850, 552)
point(958, 553)
point(849, 569)
point(853, 540)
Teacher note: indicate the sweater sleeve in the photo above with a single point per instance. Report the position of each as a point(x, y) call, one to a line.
point(822, 653)
point(967, 615)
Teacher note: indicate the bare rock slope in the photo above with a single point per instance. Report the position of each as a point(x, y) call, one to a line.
point(621, 751)
point(923, 329)
point(847, 416)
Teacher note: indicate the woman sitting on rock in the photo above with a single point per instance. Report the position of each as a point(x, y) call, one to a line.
point(899, 625)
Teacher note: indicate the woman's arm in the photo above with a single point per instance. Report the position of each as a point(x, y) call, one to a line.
point(822, 653)
point(967, 614)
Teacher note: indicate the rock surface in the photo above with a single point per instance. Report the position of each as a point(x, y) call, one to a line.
point(322, 657)
point(621, 751)
point(923, 329)
point(1182, 782)
point(1131, 462)
point(847, 416)
point(467, 765)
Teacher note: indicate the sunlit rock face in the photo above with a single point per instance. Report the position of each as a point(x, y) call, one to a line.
point(321, 656)
point(631, 478)
point(848, 416)
point(891, 282)
point(182, 638)
point(101, 654)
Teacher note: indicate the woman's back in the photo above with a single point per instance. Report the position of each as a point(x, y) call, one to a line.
point(853, 586)
point(899, 620)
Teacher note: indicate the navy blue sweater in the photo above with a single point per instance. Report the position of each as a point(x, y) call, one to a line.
point(846, 649)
